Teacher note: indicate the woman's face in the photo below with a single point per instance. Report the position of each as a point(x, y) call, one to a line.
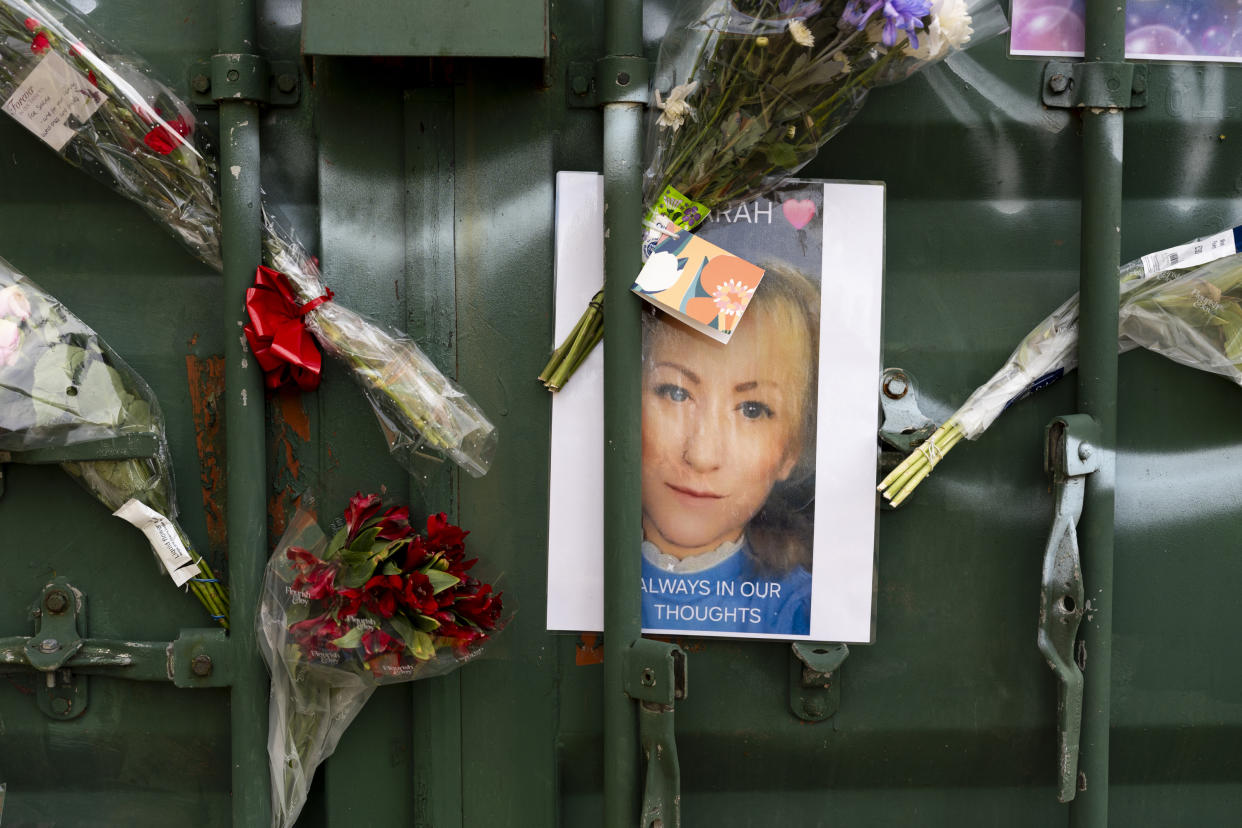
point(721, 426)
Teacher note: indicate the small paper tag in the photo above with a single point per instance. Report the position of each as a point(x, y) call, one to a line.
point(54, 100)
point(671, 212)
point(1195, 253)
point(163, 537)
point(700, 283)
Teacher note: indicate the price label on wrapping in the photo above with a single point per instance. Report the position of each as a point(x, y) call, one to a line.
point(671, 214)
point(1193, 254)
point(53, 101)
point(163, 537)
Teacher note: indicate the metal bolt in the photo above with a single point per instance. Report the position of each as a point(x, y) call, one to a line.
point(233, 75)
point(61, 706)
point(286, 83)
point(201, 83)
point(200, 665)
point(649, 679)
point(896, 386)
point(56, 602)
point(1084, 452)
point(813, 708)
point(623, 79)
point(579, 84)
point(1139, 85)
point(1058, 83)
point(1114, 83)
point(49, 645)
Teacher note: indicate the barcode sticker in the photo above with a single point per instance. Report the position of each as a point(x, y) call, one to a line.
point(162, 534)
point(1195, 253)
point(54, 100)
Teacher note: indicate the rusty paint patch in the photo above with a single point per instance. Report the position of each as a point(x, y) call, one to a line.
point(206, 379)
point(290, 433)
point(590, 650)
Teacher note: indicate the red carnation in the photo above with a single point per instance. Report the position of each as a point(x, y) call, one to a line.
point(31, 24)
point(40, 44)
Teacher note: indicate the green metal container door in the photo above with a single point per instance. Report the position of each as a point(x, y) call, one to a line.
point(427, 188)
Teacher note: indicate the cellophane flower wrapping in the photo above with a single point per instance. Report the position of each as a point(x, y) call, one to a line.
point(751, 89)
point(1192, 316)
point(132, 131)
point(418, 407)
point(378, 603)
point(61, 385)
point(1188, 312)
point(126, 127)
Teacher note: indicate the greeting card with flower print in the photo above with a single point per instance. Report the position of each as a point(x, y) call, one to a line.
point(699, 283)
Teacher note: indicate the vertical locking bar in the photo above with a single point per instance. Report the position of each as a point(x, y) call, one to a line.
point(247, 505)
point(1103, 129)
point(623, 143)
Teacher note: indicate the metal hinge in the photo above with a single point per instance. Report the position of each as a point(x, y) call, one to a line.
point(608, 80)
point(1095, 84)
point(815, 679)
point(241, 77)
point(655, 677)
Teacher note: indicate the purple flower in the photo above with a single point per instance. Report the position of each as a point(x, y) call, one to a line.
point(801, 9)
point(905, 15)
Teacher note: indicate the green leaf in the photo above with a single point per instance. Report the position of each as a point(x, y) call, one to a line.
point(338, 541)
point(354, 575)
point(441, 581)
point(782, 155)
point(365, 541)
point(390, 568)
point(426, 623)
point(420, 644)
point(349, 640)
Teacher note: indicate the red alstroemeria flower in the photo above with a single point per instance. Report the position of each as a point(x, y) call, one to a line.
point(317, 633)
point(301, 558)
point(416, 594)
point(396, 524)
point(380, 594)
point(40, 44)
point(31, 24)
point(482, 607)
point(377, 642)
point(361, 508)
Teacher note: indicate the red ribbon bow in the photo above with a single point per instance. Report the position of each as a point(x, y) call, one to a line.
point(277, 333)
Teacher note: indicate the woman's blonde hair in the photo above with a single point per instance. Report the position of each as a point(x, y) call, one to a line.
point(781, 532)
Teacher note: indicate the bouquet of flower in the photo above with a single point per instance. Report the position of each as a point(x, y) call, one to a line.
point(61, 385)
point(378, 603)
point(1181, 302)
point(756, 87)
point(107, 114)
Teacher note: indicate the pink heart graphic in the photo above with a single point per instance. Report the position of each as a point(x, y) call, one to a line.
point(799, 212)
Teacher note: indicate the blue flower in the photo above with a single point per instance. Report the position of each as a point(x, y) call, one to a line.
point(801, 9)
point(905, 15)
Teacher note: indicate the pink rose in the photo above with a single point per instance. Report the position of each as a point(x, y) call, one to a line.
point(14, 303)
point(10, 340)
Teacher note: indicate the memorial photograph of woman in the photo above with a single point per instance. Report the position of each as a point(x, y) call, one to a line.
point(728, 466)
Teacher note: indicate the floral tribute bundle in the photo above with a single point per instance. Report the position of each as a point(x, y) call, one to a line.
point(61, 385)
point(107, 114)
point(756, 88)
point(1184, 303)
point(377, 604)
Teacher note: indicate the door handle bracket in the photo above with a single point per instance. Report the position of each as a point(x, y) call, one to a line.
point(1071, 452)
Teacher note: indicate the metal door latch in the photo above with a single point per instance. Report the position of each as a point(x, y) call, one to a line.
point(655, 677)
point(815, 679)
point(1070, 454)
point(63, 655)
